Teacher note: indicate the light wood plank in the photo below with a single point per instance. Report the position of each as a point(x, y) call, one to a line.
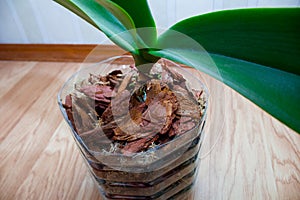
point(15, 73)
point(31, 117)
point(257, 157)
point(56, 170)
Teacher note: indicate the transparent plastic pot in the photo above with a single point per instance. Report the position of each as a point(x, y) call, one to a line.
point(166, 172)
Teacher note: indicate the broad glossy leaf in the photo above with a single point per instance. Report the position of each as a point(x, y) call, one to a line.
point(267, 36)
point(276, 91)
point(111, 19)
point(118, 12)
point(256, 52)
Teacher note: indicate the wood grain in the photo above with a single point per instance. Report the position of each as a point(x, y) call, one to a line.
point(255, 157)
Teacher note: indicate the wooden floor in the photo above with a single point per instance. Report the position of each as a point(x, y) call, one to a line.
point(253, 156)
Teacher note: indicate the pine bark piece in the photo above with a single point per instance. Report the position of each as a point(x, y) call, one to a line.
point(120, 103)
point(111, 115)
point(125, 82)
point(129, 131)
point(179, 127)
point(153, 116)
point(84, 115)
point(68, 102)
point(101, 93)
point(138, 145)
point(188, 106)
point(176, 77)
point(68, 106)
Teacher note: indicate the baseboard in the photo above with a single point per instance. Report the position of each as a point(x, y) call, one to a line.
point(58, 52)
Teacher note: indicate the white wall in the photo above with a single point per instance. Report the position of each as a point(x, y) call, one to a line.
point(43, 21)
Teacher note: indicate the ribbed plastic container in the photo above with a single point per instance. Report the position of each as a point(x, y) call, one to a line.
point(166, 172)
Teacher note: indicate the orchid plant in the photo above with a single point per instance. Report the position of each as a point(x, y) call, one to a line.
point(256, 51)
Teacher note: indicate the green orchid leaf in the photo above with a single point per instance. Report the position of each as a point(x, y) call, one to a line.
point(254, 51)
point(140, 13)
point(275, 91)
point(266, 36)
point(110, 18)
point(118, 12)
